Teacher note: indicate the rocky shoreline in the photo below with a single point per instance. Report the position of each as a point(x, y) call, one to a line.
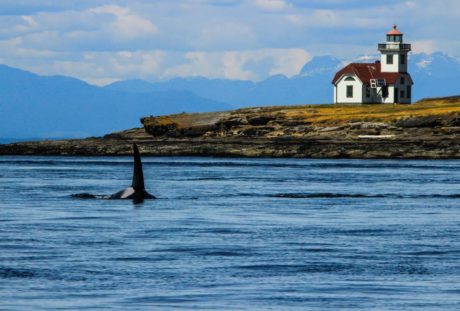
point(280, 147)
point(301, 131)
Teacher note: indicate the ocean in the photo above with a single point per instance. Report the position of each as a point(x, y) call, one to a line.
point(230, 234)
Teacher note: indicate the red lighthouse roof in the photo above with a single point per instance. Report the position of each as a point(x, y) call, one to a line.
point(394, 31)
point(367, 71)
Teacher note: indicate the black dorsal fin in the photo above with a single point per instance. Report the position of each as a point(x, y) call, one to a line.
point(138, 174)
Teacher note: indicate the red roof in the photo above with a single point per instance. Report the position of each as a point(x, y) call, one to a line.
point(365, 72)
point(394, 31)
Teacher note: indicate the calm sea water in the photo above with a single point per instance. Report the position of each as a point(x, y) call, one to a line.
point(225, 234)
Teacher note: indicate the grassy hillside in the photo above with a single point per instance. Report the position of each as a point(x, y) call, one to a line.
point(388, 113)
point(321, 115)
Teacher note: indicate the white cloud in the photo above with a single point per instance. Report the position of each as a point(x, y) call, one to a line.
point(424, 63)
point(235, 64)
point(294, 19)
point(289, 62)
point(112, 9)
point(126, 25)
point(105, 67)
point(424, 46)
point(30, 24)
point(271, 5)
point(103, 40)
point(224, 36)
point(410, 4)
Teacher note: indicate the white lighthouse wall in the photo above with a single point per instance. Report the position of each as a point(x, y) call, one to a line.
point(340, 91)
point(396, 66)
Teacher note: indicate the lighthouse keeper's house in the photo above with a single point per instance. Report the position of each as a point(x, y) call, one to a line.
point(385, 81)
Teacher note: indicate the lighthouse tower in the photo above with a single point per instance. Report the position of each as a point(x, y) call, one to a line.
point(394, 52)
point(384, 82)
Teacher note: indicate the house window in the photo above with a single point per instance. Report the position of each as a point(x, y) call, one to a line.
point(385, 91)
point(402, 80)
point(403, 59)
point(401, 94)
point(409, 91)
point(349, 91)
point(368, 91)
point(349, 79)
point(390, 59)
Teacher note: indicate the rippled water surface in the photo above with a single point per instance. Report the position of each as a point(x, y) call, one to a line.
point(258, 234)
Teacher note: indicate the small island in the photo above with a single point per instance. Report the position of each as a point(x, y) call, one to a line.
point(428, 129)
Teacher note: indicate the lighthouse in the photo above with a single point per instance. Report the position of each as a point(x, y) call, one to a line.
point(385, 81)
point(394, 52)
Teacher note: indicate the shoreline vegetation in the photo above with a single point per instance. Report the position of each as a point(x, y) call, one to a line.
point(428, 129)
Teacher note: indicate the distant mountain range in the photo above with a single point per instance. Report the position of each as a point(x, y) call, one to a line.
point(51, 107)
point(312, 85)
point(38, 106)
point(434, 75)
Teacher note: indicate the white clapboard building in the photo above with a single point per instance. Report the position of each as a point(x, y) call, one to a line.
point(385, 81)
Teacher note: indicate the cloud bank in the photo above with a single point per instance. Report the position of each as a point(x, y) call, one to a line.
point(101, 41)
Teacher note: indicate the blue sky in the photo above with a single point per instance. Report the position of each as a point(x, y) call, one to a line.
point(102, 41)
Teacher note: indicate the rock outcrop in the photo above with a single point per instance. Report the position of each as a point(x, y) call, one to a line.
point(429, 129)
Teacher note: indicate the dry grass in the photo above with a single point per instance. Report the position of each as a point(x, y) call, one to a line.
point(322, 114)
point(185, 120)
point(339, 114)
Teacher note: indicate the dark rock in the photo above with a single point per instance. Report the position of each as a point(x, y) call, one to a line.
point(232, 122)
point(429, 121)
point(260, 120)
point(197, 131)
point(257, 131)
point(290, 122)
point(169, 130)
point(453, 120)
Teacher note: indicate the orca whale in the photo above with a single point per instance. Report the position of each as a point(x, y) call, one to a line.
point(136, 191)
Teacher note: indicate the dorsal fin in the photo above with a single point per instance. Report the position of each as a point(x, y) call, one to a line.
point(138, 174)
